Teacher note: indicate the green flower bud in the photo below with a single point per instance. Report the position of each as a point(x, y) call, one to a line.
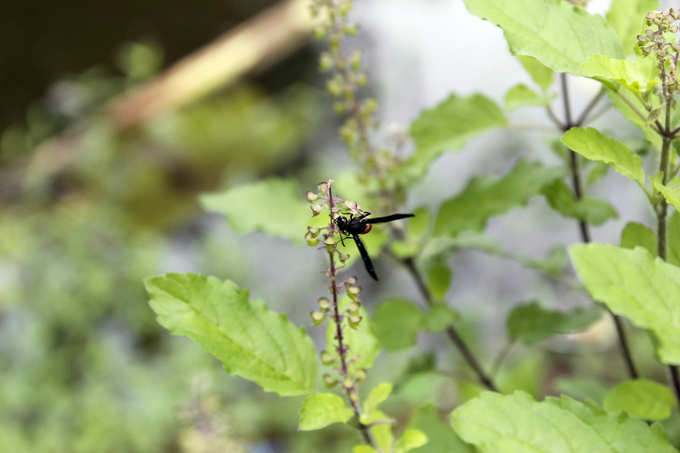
point(350, 282)
point(353, 291)
point(355, 60)
point(345, 8)
point(311, 240)
point(369, 106)
point(354, 321)
point(312, 197)
point(335, 86)
point(327, 358)
point(324, 304)
point(348, 383)
point(352, 205)
point(353, 308)
point(350, 29)
point(329, 380)
point(325, 62)
point(317, 317)
point(360, 375)
point(334, 42)
point(354, 396)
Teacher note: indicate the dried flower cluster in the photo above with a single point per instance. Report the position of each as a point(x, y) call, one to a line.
point(656, 41)
point(329, 237)
point(346, 79)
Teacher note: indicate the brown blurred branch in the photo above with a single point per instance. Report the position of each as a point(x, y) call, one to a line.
point(256, 43)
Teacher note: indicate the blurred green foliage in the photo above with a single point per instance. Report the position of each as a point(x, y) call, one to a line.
point(85, 367)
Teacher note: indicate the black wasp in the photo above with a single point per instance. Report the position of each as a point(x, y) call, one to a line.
point(354, 226)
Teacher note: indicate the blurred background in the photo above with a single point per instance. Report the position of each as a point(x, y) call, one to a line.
point(116, 116)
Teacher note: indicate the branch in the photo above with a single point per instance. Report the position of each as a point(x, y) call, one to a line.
point(451, 331)
point(583, 226)
point(662, 216)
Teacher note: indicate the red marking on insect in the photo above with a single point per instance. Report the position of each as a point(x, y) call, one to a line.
point(367, 228)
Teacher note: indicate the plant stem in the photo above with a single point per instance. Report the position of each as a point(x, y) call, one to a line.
point(554, 118)
point(662, 217)
point(341, 349)
point(451, 331)
point(574, 166)
point(675, 131)
point(565, 100)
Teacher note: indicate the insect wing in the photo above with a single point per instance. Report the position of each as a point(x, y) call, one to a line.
point(368, 264)
point(388, 218)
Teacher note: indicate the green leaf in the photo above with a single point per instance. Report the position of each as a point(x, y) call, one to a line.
point(441, 438)
point(639, 76)
point(438, 276)
point(526, 374)
point(582, 388)
point(635, 284)
point(410, 439)
point(274, 206)
point(594, 145)
point(541, 74)
point(589, 209)
point(485, 197)
point(417, 229)
point(597, 172)
point(641, 398)
point(553, 264)
point(516, 423)
point(382, 433)
point(397, 322)
point(522, 96)
point(361, 342)
point(673, 235)
point(468, 390)
point(376, 397)
point(419, 225)
point(626, 18)
point(249, 340)
point(348, 186)
point(670, 191)
point(448, 127)
point(638, 235)
point(531, 323)
point(423, 387)
point(556, 33)
point(439, 317)
point(323, 409)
